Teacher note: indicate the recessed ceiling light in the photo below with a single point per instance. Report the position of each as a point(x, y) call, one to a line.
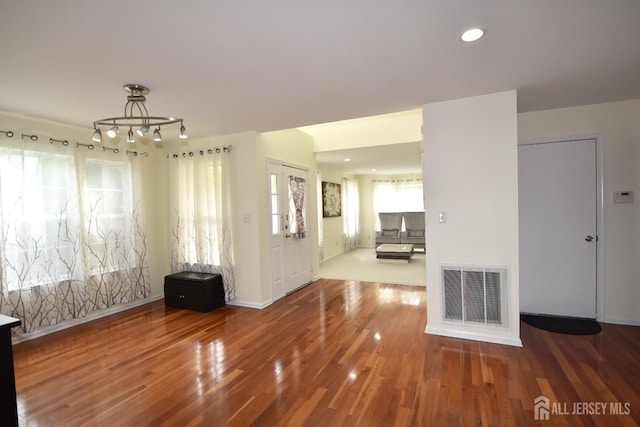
point(347, 160)
point(472, 35)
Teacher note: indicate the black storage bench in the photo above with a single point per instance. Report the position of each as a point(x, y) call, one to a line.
point(194, 291)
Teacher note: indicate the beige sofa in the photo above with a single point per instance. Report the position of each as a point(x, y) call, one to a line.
point(390, 226)
point(391, 230)
point(414, 229)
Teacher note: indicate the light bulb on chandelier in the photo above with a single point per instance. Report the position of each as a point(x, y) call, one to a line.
point(113, 132)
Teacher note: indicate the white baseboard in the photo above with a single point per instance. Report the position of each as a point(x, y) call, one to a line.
point(331, 257)
point(626, 322)
point(20, 337)
point(515, 342)
point(249, 304)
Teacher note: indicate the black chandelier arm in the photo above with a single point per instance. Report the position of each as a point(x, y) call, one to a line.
point(127, 121)
point(131, 104)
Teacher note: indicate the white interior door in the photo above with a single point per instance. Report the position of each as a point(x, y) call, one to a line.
point(291, 250)
point(558, 216)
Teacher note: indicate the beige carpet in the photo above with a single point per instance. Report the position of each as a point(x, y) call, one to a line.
point(361, 264)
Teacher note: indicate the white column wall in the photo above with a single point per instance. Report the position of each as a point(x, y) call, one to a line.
point(471, 173)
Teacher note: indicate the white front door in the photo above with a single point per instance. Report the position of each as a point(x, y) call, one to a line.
point(558, 215)
point(291, 251)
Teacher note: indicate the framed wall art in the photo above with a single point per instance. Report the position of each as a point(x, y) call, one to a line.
point(331, 199)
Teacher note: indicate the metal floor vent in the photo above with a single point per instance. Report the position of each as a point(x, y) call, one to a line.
point(475, 294)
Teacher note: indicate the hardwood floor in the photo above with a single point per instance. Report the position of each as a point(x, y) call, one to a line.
point(334, 353)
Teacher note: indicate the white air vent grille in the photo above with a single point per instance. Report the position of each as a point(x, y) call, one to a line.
point(475, 294)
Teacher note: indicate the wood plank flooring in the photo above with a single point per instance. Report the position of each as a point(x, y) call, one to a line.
point(335, 353)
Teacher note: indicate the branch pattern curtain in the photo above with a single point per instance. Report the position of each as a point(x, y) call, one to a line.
point(351, 213)
point(296, 185)
point(199, 200)
point(72, 236)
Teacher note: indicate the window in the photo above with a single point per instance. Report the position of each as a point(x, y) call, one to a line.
point(39, 217)
point(72, 240)
point(397, 194)
point(108, 210)
point(275, 205)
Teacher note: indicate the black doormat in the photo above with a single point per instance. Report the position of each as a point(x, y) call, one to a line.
point(563, 325)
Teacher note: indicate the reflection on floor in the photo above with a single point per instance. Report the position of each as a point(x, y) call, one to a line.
point(361, 264)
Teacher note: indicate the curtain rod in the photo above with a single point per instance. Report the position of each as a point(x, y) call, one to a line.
point(217, 150)
point(65, 142)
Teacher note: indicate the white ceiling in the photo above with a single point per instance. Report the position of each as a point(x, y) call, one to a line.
point(231, 66)
point(392, 159)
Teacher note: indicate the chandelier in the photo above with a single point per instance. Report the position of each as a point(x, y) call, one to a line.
point(136, 118)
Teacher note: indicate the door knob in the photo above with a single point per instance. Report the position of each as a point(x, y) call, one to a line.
point(589, 238)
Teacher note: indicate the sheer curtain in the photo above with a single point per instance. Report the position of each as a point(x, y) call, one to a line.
point(351, 213)
point(397, 194)
point(72, 237)
point(199, 201)
point(116, 240)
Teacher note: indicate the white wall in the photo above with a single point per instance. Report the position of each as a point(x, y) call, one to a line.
point(383, 129)
point(619, 125)
point(367, 216)
point(332, 228)
point(470, 171)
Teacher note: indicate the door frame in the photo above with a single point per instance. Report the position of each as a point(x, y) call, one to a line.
point(600, 231)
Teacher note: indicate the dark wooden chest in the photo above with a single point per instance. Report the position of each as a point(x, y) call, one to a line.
point(194, 291)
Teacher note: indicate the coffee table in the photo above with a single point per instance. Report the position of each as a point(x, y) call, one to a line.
point(394, 251)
